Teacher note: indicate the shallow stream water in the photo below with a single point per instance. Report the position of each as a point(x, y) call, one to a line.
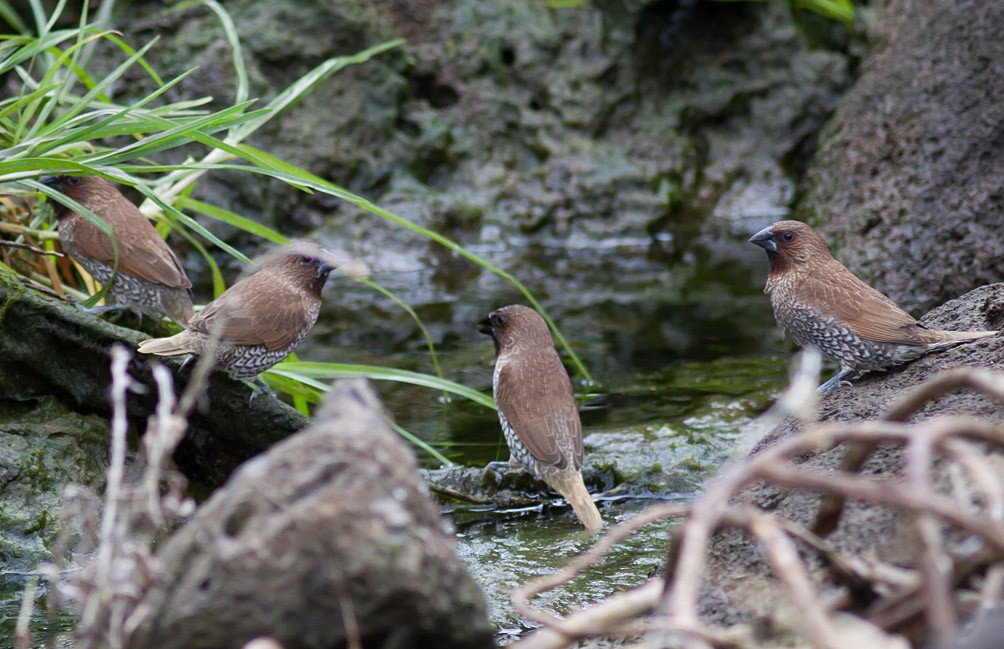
point(682, 349)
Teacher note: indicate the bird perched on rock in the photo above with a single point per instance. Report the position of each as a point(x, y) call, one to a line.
point(149, 278)
point(536, 406)
point(823, 305)
point(261, 318)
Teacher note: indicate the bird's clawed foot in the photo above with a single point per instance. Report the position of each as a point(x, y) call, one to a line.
point(258, 387)
point(109, 308)
point(836, 381)
point(497, 466)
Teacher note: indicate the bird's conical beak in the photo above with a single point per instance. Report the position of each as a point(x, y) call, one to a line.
point(485, 327)
point(765, 239)
point(325, 268)
point(52, 182)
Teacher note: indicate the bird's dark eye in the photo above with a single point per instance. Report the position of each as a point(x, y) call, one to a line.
point(306, 260)
point(497, 320)
point(73, 180)
point(788, 236)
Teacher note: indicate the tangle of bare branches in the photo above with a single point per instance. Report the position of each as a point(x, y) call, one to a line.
point(932, 595)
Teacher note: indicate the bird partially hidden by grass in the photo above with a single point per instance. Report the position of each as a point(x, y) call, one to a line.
point(259, 320)
point(148, 278)
point(822, 305)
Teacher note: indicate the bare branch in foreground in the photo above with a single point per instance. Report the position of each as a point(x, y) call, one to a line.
point(944, 581)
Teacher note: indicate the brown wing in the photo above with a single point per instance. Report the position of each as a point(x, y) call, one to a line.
point(536, 398)
point(867, 312)
point(143, 252)
point(258, 310)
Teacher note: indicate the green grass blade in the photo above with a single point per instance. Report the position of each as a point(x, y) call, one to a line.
point(112, 124)
point(311, 390)
point(341, 370)
point(233, 39)
point(842, 10)
point(422, 444)
point(12, 18)
point(231, 218)
point(86, 100)
point(414, 316)
point(176, 134)
point(299, 88)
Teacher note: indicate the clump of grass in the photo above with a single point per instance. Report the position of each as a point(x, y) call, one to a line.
point(64, 120)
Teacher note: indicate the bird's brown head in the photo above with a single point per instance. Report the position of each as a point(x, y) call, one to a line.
point(516, 327)
point(790, 244)
point(89, 191)
point(304, 263)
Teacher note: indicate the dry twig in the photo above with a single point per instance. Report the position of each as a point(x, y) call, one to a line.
point(666, 610)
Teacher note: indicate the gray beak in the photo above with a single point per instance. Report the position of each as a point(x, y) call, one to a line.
point(765, 239)
point(325, 268)
point(51, 181)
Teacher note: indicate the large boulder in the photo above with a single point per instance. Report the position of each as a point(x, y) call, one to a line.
point(327, 539)
point(908, 185)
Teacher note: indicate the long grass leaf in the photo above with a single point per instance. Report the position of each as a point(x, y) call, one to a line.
point(230, 218)
point(86, 100)
point(112, 124)
point(175, 136)
point(13, 19)
point(422, 444)
point(311, 390)
point(414, 316)
point(342, 370)
point(234, 40)
point(299, 88)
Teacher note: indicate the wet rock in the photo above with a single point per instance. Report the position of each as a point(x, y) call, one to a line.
point(913, 167)
point(741, 586)
point(328, 538)
point(44, 446)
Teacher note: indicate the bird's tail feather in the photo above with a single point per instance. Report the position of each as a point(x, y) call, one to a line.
point(570, 485)
point(946, 338)
point(176, 345)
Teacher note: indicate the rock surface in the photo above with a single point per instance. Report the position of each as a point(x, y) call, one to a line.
point(44, 446)
point(739, 583)
point(328, 538)
point(908, 185)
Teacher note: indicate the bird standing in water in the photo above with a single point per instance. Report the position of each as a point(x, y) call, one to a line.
point(823, 305)
point(260, 319)
point(536, 406)
point(149, 278)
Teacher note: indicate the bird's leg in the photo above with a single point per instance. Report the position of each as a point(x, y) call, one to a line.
point(107, 308)
point(835, 381)
point(497, 465)
point(258, 386)
point(97, 309)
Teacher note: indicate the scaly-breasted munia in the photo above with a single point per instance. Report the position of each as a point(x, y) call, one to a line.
point(261, 318)
point(823, 305)
point(149, 278)
point(536, 406)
